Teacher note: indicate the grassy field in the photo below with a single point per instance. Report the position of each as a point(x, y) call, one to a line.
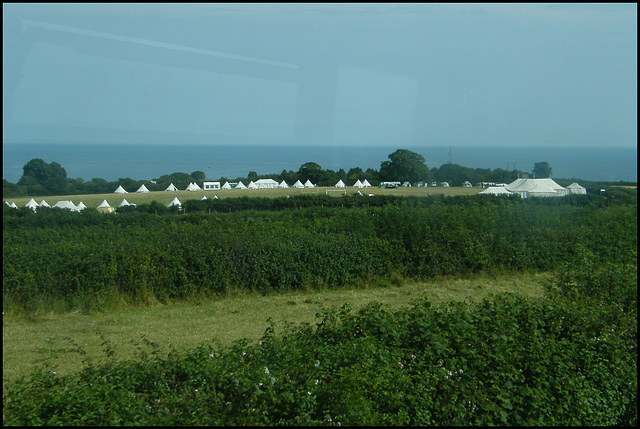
point(185, 325)
point(163, 197)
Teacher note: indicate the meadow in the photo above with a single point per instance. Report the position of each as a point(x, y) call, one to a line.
point(164, 197)
point(319, 310)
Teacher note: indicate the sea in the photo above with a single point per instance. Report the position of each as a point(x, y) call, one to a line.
point(147, 162)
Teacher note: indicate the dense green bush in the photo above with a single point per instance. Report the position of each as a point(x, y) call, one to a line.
point(58, 259)
point(505, 361)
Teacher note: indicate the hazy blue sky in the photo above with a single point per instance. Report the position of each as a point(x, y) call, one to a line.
point(329, 74)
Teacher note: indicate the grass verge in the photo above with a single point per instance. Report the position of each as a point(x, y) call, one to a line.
point(71, 340)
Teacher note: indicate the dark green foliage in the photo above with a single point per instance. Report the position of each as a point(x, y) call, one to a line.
point(275, 245)
point(505, 361)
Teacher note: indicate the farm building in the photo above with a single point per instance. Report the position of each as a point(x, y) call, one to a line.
point(210, 186)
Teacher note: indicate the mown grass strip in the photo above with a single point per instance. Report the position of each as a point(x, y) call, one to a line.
point(69, 339)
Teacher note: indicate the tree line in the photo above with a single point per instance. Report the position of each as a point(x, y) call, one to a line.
point(41, 178)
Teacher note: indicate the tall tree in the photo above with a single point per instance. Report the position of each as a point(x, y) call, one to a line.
point(542, 170)
point(405, 165)
point(51, 178)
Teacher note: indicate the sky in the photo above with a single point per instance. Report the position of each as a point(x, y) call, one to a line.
point(513, 75)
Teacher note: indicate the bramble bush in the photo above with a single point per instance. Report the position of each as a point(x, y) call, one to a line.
point(505, 361)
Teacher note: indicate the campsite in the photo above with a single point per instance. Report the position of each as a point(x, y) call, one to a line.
point(461, 303)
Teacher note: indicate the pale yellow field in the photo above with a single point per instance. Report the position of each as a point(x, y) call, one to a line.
point(163, 197)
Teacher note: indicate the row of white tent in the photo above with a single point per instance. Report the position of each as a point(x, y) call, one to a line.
point(252, 185)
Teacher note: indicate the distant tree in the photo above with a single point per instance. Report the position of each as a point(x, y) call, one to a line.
point(542, 170)
point(253, 176)
point(355, 174)
point(311, 171)
point(199, 175)
point(50, 179)
point(405, 165)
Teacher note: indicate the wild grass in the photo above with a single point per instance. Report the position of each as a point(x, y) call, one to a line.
point(70, 341)
point(163, 197)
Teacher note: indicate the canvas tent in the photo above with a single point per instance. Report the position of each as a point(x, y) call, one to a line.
point(226, 186)
point(175, 202)
point(171, 188)
point(66, 205)
point(298, 185)
point(125, 203)
point(495, 190)
point(358, 184)
point(104, 207)
point(203, 198)
point(266, 184)
point(81, 206)
point(120, 190)
point(240, 185)
point(283, 185)
point(252, 185)
point(526, 187)
point(142, 189)
point(366, 184)
point(577, 189)
point(308, 184)
point(32, 204)
point(193, 187)
point(43, 203)
point(340, 184)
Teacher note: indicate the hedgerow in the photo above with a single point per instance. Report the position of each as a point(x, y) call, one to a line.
point(62, 260)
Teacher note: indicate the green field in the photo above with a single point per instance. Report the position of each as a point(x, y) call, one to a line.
point(164, 197)
point(185, 325)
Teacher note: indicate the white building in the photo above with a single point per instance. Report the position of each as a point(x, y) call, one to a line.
point(210, 186)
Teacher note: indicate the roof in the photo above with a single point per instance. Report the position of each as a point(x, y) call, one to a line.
point(534, 187)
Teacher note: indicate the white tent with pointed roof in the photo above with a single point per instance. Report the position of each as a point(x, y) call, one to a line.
point(283, 185)
point(366, 183)
point(171, 188)
point(175, 202)
point(240, 185)
point(226, 186)
point(203, 198)
point(193, 187)
point(81, 206)
point(13, 205)
point(142, 189)
point(43, 203)
point(32, 204)
point(104, 207)
point(358, 184)
point(340, 184)
point(298, 185)
point(65, 205)
point(308, 184)
point(120, 190)
point(577, 189)
point(125, 203)
point(252, 185)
